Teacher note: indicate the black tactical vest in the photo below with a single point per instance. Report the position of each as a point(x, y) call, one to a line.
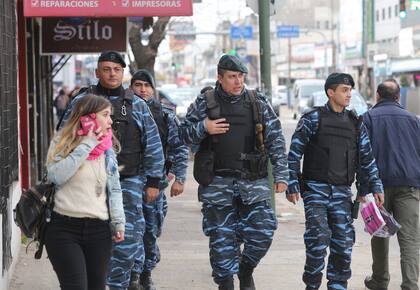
point(161, 120)
point(126, 131)
point(331, 156)
point(239, 139)
point(235, 152)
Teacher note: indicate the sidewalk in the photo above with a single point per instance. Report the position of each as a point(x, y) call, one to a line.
point(184, 248)
point(185, 264)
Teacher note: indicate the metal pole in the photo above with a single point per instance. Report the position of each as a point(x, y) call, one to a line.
point(265, 49)
point(334, 56)
point(289, 62)
point(265, 60)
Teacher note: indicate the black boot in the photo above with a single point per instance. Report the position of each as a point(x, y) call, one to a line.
point(246, 282)
point(157, 254)
point(134, 281)
point(146, 282)
point(226, 284)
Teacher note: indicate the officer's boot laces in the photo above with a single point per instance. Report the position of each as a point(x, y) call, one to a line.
point(246, 281)
point(146, 281)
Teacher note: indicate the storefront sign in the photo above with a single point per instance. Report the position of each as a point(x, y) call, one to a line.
point(83, 35)
point(107, 8)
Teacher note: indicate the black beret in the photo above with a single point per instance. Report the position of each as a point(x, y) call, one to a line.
point(143, 75)
point(231, 62)
point(112, 56)
point(339, 79)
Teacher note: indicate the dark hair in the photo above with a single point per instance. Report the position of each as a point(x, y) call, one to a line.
point(332, 87)
point(220, 71)
point(389, 90)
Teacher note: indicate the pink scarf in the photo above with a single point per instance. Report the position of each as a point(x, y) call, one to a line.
point(105, 144)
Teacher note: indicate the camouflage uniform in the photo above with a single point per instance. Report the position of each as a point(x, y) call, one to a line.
point(328, 207)
point(155, 212)
point(124, 253)
point(236, 210)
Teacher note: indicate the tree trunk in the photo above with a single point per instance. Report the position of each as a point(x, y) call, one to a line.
point(145, 55)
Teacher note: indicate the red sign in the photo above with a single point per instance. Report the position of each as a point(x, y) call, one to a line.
point(107, 8)
point(83, 35)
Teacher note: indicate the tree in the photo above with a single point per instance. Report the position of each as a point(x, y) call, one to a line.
point(145, 55)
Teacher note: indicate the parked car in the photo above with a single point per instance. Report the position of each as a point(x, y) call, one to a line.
point(279, 97)
point(182, 97)
point(164, 98)
point(357, 102)
point(302, 90)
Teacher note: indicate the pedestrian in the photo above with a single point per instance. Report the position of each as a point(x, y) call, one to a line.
point(238, 132)
point(61, 101)
point(335, 146)
point(88, 208)
point(140, 161)
point(395, 138)
point(176, 161)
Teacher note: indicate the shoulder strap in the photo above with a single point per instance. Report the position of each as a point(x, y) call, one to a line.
point(213, 107)
point(256, 107)
point(258, 120)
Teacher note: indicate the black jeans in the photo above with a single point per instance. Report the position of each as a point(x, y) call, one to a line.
point(79, 250)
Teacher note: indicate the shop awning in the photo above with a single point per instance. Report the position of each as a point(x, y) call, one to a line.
point(405, 65)
point(107, 8)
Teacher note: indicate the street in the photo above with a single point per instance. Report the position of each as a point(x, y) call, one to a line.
point(184, 249)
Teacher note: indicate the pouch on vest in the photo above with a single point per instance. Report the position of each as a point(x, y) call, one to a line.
point(204, 167)
point(258, 164)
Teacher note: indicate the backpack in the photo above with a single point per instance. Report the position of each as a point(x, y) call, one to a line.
point(33, 212)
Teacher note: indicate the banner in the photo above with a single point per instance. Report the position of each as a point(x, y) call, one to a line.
point(83, 35)
point(107, 8)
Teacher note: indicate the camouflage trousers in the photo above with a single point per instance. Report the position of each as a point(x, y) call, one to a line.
point(229, 226)
point(153, 215)
point(328, 224)
point(126, 252)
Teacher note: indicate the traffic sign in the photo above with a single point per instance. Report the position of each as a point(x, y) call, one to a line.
point(241, 32)
point(287, 31)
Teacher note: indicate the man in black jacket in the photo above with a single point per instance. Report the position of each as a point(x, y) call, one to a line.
point(395, 139)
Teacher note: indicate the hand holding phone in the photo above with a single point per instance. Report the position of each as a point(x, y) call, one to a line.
point(87, 123)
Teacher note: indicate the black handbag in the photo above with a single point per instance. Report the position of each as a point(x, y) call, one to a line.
point(33, 212)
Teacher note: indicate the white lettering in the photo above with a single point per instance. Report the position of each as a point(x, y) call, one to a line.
point(63, 32)
point(69, 3)
point(107, 32)
point(67, 32)
point(157, 3)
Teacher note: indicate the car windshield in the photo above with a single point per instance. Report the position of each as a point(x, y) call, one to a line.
point(356, 102)
point(307, 90)
point(181, 95)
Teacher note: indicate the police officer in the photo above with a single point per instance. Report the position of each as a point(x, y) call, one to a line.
point(176, 155)
point(140, 160)
point(335, 145)
point(238, 132)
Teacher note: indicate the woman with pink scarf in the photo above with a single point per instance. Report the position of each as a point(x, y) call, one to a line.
point(88, 209)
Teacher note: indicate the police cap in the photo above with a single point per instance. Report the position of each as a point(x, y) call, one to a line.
point(338, 79)
point(112, 56)
point(231, 62)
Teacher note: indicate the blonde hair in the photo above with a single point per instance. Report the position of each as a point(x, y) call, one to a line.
point(68, 138)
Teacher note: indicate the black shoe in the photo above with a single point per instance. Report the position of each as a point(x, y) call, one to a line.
point(226, 284)
point(146, 282)
point(246, 281)
point(372, 284)
point(134, 282)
